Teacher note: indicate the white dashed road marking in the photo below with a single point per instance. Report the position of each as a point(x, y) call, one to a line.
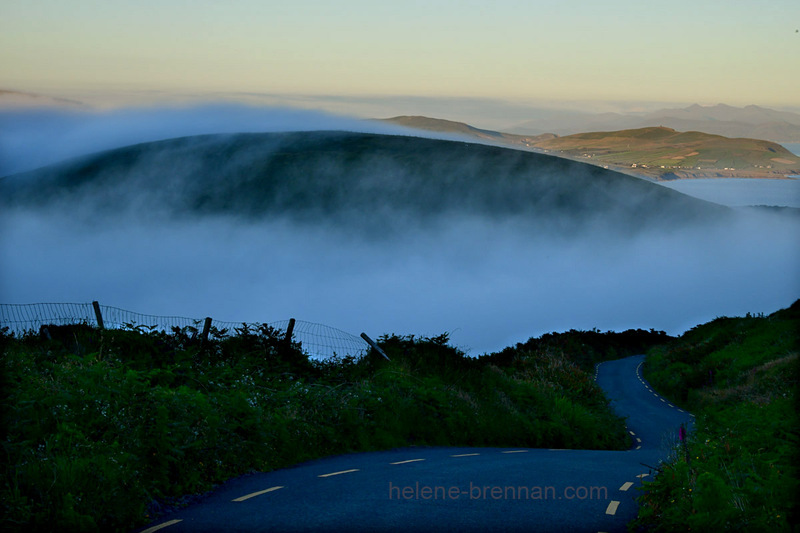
point(254, 494)
point(338, 473)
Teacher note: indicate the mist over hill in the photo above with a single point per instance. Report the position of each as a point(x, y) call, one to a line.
point(385, 234)
point(365, 183)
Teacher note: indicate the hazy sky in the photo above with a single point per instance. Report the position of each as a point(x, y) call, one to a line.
point(705, 51)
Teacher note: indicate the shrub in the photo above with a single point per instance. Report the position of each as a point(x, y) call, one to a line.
point(106, 429)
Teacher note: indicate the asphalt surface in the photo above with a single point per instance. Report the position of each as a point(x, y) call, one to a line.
point(456, 489)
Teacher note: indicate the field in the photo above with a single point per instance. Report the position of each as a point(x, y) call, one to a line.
point(663, 153)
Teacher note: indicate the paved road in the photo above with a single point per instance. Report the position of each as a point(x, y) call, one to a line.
point(456, 489)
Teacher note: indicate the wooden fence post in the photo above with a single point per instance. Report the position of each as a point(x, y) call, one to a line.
point(375, 346)
point(204, 336)
point(289, 332)
point(98, 315)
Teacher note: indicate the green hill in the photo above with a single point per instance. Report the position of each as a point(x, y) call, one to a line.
point(664, 153)
point(363, 182)
point(449, 126)
point(651, 152)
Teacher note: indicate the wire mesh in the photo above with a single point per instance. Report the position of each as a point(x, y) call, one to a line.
point(316, 340)
point(20, 318)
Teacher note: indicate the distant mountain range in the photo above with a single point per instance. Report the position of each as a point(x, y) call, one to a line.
point(751, 121)
point(19, 99)
point(652, 152)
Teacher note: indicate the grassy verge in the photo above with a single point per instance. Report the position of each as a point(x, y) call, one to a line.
point(103, 430)
point(738, 470)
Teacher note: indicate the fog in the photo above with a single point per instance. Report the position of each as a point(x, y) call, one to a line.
point(32, 138)
point(487, 281)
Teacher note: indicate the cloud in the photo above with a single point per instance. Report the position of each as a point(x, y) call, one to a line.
point(485, 281)
point(33, 138)
point(490, 280)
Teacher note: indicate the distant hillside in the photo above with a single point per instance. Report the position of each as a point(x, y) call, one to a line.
point(364, 183)
point(459, 128)
point(18, 99)
point(664, 153)
point(654, 152)
point(751, 121)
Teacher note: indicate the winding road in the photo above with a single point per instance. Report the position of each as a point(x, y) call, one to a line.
point(456, 489)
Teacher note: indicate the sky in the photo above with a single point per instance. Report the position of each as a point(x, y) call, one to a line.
point(486, 63)
point(682, 51)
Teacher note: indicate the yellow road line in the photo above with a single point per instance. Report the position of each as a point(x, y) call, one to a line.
point(156, 528)
point(406, 461)
point(465, 455)
point(337, 473)
point(626, 485)
point(638, 439)
point(254, 494)
point(642, 475)
point(516, 451)
point(612, 507)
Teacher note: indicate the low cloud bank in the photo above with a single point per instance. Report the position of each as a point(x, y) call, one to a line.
point(484, 281)
point(488, 279)
point(33, 138)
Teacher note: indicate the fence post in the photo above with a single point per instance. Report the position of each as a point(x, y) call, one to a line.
point(204, 336)
point(289, 331)
point(98, 315)
point(375, 346)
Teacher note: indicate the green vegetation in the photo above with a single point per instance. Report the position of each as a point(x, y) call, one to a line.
point(739, 469)
point(103, 429)
point(586, 348)
point(365, 184)
point(665, 153)
point(459, 128)
point(656, 152)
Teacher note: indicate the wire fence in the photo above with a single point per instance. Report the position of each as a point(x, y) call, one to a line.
point(316, 340)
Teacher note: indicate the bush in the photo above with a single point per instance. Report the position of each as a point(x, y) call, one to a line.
point(106, 429)
point(739, 472)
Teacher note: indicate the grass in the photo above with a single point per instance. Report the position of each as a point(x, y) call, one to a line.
point(105, 430)
point(738, 470)
point(655, 147)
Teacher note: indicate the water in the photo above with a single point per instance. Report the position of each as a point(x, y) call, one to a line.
point(736, 192)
